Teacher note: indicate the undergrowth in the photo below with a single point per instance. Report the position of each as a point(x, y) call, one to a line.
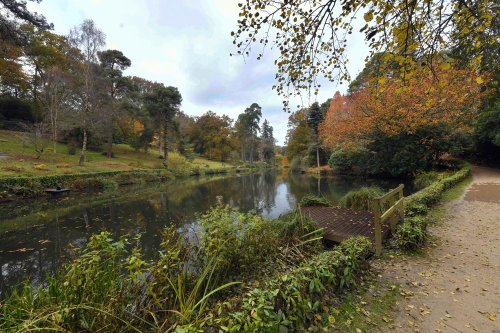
point(362, 198)
point(108, 286)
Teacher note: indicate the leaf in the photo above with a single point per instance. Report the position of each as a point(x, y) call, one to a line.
point(479, 80)
point(491, 316)
point(331, 319)
point(445, 66)
point(368, 16)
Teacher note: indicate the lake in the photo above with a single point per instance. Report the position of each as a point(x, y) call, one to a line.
point(36, 235)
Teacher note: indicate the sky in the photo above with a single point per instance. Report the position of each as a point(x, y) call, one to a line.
point(187, 44)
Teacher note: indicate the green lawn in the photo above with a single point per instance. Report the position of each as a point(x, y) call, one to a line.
point(21, 159)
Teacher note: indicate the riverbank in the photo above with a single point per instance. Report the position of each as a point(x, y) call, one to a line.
point(261, 269)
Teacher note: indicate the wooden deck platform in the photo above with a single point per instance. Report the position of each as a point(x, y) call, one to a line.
point(341, 223)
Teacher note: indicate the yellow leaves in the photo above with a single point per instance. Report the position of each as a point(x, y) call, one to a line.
point(479, 80)
point(445, 66)
point(491, 316)
point(368, 16)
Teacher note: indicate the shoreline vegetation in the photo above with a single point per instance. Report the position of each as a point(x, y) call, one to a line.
point(246, 273)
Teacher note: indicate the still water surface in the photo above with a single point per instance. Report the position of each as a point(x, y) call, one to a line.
point(35, 236)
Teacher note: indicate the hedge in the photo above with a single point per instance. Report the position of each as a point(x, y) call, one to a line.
point(32, 186)
point(412, 233)
point(289, 301)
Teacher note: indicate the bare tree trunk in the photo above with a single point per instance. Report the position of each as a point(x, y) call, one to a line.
point(160, 146)
point(317, 156)
point(54, 142)
point(109, 152)
point(84, 148)
point(251, 150)
point(165, 141)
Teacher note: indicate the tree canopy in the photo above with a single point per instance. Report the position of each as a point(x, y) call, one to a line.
point(311, 37)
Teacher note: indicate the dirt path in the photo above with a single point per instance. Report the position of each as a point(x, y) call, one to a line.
point(455, 285)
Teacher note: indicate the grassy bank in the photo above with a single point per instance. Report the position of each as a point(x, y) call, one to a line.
point(22, 174)
point(19, 159)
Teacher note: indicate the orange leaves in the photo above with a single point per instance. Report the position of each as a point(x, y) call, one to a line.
point(450, 97)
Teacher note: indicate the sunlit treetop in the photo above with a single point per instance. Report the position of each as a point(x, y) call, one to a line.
point(311, 36)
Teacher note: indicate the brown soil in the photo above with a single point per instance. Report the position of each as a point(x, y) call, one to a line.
point(455, 285)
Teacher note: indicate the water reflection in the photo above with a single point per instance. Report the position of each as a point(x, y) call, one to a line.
point(35, 237)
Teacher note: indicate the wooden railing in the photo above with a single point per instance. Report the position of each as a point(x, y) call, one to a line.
point(394, 200)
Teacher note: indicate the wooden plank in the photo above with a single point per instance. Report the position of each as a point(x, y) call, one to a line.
point(391, 210)
point(391, 193)
point(377, 226)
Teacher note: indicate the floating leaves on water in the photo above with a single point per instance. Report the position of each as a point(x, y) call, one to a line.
point(22, 250)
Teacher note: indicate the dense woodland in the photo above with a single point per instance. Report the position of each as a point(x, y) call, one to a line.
point(71, 89)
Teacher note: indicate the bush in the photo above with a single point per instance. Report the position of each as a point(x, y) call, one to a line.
point(243, 243)
point(35, 185)
point(415, 209)
point(290, 301)
point(72, 147)
point(313, 200)
point(298, 164)
point(400, 155)
point(178, 164)
point(362, 198)
point(424, 179)
point(412, 234)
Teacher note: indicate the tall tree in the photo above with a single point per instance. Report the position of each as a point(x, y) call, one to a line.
point(43, 51)
point(267, 142)
point(211, 136)
point(248, 125)
point(89, 39)
point(113, 63)
point(55, 97)
point(298, 138)
point(314, 118)
point(163, 103)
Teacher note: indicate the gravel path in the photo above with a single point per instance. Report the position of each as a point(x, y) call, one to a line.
point(455, 286)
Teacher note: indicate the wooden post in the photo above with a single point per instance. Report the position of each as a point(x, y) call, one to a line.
point(393, 216)
point(378, 226)
point(402, 206)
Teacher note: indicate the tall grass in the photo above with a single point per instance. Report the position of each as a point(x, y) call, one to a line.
point(362, 198)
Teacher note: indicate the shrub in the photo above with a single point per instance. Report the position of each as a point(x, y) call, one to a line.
point(109, 184)
point(14, 168)
point(424, 179)
point(94, 183)
point(415, 209)
point(313, 200)
point(72, 147)
point(412, 233)
point(290, 301)
point(298, 164)
point(178, 164)
point(243, 243)
point(362, 198)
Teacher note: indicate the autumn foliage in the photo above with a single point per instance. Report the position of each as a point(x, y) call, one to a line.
point(448, 97)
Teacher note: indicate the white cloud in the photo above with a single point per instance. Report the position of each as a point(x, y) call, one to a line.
point(187, 44)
